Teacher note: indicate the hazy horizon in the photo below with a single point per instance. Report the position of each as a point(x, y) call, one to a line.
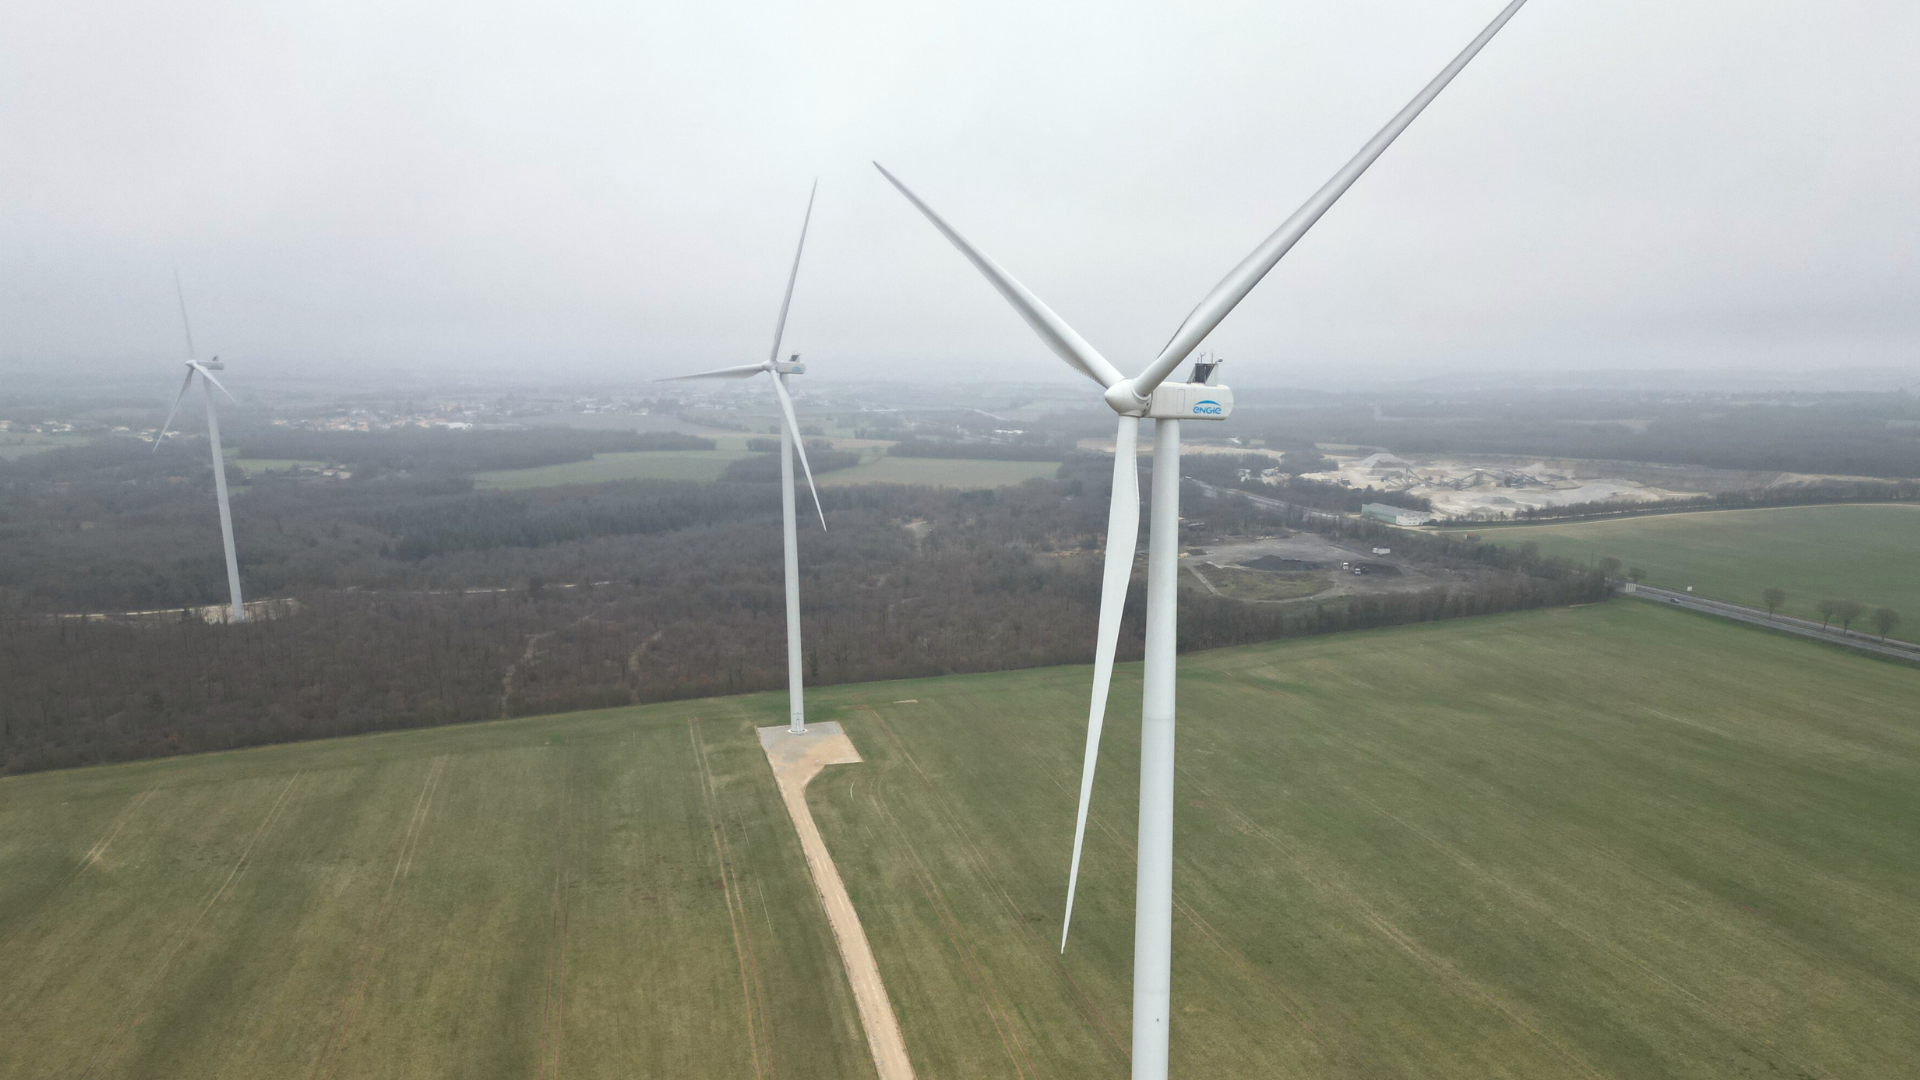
point(607, 192)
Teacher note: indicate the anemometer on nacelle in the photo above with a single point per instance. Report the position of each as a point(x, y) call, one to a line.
point(1201, 397)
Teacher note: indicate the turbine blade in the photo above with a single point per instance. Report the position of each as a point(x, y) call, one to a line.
point(1061, 338)
point(793, 426)
point(780, 328)
point(1236, 285)
point(744, 371)
point(184, 324)
point(208, 375)
point(1123, 529)
point(177, 398)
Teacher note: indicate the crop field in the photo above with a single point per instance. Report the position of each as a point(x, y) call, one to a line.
point(709, 464)
point(1616, 841)
point(15, 446)
point(1612, 841)
point(606, 894)
point(626, 465)
point(256, 466)
point(941, 472)
point(1869, 553)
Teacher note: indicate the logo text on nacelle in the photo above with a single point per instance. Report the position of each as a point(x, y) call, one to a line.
point(1207, 408)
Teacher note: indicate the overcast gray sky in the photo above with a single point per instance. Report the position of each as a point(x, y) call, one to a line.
point(585, 187)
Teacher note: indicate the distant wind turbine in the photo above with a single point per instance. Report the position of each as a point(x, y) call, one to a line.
point(205, 369)
point(1150, 395)
point(789, 442)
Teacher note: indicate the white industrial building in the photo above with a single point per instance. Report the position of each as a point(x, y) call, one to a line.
point(1395, 515)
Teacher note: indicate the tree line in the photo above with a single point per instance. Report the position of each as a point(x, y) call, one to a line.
point(443, 452)
point(427, 605)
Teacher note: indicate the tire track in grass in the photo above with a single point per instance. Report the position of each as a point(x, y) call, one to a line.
point(999, 1009)
point(373, 939)
point(182, 938)
point(999, 1013)
point(1445, 971)
point(1288, 1003)
point(1082, 1001)
point(1797, 867)
point(1546, 911)
point(92, 856)
point(552, 1028)
point(1685, 901)
point(751, 993)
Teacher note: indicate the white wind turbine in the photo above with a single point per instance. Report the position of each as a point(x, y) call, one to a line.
point(1150, 395)
point(205, 369)
point(789, 442)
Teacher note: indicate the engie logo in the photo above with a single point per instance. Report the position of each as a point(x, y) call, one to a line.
point(1207, 408)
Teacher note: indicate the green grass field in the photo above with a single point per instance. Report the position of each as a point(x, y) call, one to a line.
point(942, 472)
point(1612, 841)
point(609, 894)
point(627, 465)
point(1617, 841)
point(709, 464)
point(16, 445)
point(1869, 553)
point(256, 466)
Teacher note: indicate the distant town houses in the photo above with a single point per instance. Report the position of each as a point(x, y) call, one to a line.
point(37, 427)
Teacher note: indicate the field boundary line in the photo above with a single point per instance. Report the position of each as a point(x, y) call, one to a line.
point(737, 917)
point(552, 1027)
point(796, 760)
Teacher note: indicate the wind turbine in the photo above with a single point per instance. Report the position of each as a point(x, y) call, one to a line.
point(1150, 395)
point(205, 369)
point(789, 442)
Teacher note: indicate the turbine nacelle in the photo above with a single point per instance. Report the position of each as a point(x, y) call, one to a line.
point(1190, 401)
point(1201, 397)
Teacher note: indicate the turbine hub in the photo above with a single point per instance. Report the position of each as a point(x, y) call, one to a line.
point(1121, 398)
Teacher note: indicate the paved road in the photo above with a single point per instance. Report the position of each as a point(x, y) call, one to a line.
point(1803, 627)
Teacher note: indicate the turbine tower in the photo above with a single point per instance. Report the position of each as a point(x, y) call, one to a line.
point(789, 442)
point(1151, 396)
point(237, 611)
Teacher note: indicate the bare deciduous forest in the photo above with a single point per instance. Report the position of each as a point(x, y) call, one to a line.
point(423, 602)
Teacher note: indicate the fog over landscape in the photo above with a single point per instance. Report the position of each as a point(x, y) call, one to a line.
point(601, 190)
point(440, 640)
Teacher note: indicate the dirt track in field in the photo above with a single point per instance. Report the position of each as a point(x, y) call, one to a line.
point(797, 759)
